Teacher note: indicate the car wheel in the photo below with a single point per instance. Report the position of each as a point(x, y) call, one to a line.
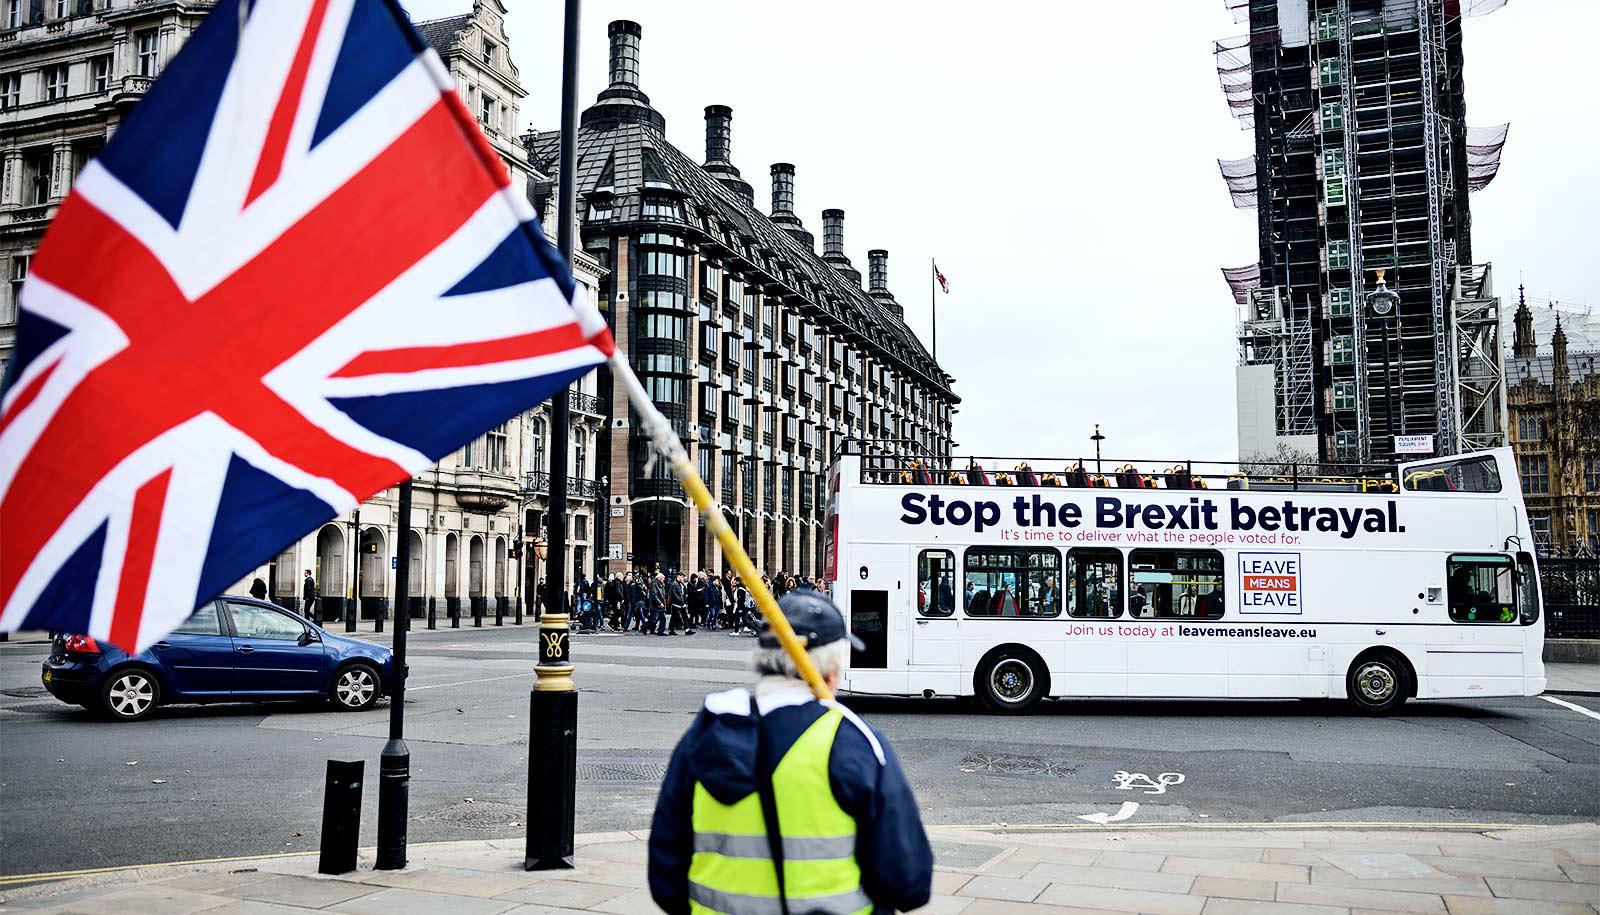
point(1010, 683)
point(355, 688)
point(130, 694)
point(1377, 684)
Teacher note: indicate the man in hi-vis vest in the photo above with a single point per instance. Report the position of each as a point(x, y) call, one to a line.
point(777, 804)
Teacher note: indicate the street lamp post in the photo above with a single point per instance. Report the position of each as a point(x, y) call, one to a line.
point(1097, 438)
point(1381, 304)
point(355, 574)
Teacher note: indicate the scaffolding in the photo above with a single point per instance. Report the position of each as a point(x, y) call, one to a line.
point(1436, 150)
point(1233, 74)
point(1240, 176)
point(1270, 334)
point(1484, 145)
point(1241, 280)
point(1476, 366)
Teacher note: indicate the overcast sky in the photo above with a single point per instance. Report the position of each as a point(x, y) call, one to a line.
point(1058, 159)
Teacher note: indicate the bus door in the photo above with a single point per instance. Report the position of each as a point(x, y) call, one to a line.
point(935, 627)
point(877, 579)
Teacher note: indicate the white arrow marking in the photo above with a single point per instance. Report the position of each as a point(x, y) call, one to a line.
point(1123, 812)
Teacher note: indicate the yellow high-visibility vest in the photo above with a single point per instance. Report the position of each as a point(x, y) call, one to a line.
point(732, 872)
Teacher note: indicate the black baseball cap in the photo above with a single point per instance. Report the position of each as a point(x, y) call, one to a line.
point(813, 617)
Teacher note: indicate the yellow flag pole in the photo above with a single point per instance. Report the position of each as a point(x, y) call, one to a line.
point(670, 449)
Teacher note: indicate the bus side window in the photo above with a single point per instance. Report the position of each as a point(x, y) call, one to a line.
point(1012, 582)
point(1527, 589)
point(1477, 474)
point(1178, 583)
point(1481, 588)
point(936, 583)
point(1094, 585)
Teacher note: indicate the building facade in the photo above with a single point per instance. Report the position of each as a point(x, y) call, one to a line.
point(1554, 408)
point(764, 353)
point(1362, 160)
point(69, 73)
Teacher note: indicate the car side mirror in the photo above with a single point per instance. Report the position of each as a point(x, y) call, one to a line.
point(309, 636)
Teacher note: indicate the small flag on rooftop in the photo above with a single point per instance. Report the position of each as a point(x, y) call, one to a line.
point(944, 284)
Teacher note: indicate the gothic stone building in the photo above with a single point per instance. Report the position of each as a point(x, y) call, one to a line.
point(764, 354)
point(1553, 397)
point(71, 70)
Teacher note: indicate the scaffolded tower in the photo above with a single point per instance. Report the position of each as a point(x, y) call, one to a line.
point(1362, 160)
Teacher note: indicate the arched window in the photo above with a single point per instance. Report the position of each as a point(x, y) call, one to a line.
point(580, 451)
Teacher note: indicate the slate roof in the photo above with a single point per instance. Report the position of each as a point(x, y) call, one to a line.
point(1542, 367)
point(440, 34)
point(626, 153)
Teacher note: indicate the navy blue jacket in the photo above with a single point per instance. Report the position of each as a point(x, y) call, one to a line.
point(719, 751)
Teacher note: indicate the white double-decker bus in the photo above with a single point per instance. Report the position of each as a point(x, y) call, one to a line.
point(1021, 581)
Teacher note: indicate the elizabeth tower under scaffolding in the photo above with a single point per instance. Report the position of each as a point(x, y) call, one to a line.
point(1362, 161)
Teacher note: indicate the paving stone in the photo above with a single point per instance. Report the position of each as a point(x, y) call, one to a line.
point(1104, 897)
point(1130, 860)
point(630, 903)
point(1378, 865)
point(1362, 896)
point(399, 901)
point(1013, 889)
point(997, 907)
point(1309, 857)
point(1053, 854)
point(1234, 888)
point(152, 899)
point(215, 881)
point(1117, 878)
point(947, 882)
point(632, 852)
point(255, 907)
point(1243, 870)
point(1496, 867)
point(531, 909)
point(1550, 890)
point(1581, 873)
point(1443, 884)
point(461, 882)
point(572, 894)
point(1505, 851)
point(1255, 907)
point(939, 904)
point(1242, 853)
point(1478, 905)
point(310, 892)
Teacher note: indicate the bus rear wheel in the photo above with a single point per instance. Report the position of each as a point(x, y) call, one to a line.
point(1377, 684)
point(1011, 683)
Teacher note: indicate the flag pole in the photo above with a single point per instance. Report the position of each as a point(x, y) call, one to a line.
point(553, 701)
point(933, 305)
point(670, 449)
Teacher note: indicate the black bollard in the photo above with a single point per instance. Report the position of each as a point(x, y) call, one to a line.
point(518, 605)
point(378, 613)
point(455, 612)
point(433, 613)
point(552, 750)
point(477, 612)
point(341, 816)
point(499, 611)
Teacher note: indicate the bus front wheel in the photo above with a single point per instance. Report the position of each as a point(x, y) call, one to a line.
point(1011, 682)
point(1377, 684)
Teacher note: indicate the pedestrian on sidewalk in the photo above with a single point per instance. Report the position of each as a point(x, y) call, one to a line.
point(659, 604)
point(678, 604)
point(713, 599)
point(776, 802)
point(308, 597)
point(638, 599)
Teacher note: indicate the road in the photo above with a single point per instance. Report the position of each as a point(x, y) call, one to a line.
point(200, 782)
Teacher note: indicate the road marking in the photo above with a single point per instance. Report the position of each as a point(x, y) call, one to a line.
point(1126, 810)
point(414, 689)
point(1574, 706)
point(1283, 826)
point(1127, 781)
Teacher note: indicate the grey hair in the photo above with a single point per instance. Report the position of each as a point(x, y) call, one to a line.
point(831, 658)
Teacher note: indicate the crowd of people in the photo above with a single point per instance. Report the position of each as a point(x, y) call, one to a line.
point(671, 602)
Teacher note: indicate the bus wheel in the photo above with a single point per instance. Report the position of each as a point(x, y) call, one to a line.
point(1377, 684)
point(1010, 682)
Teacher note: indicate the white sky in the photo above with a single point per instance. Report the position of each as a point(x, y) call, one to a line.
point(1058, 159)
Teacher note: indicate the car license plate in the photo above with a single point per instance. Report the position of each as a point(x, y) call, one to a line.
point(47, 676)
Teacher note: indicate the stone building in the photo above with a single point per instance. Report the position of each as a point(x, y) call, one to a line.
point(1553, 398)
point(71, 70)
point(763, 353)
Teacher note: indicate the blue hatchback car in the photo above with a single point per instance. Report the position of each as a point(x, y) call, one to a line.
point(233, 649)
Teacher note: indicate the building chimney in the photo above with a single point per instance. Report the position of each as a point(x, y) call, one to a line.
point(833, 233)
point(877, 270)
point(833, 245)
point(625, 37)
point(878, 282)
point(783, 214)
point(621, 102)
point(719, 142)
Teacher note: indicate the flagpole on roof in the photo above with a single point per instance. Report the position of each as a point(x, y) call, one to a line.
point(933, 305)
point(553, 701)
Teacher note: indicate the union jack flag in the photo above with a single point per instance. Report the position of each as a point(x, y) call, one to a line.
point(297, 275)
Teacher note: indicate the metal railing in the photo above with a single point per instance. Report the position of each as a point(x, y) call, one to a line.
point(538, 482)
point(585, 403)
point(1571, 587)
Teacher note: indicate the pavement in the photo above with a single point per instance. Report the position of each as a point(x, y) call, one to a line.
point(979, 870)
